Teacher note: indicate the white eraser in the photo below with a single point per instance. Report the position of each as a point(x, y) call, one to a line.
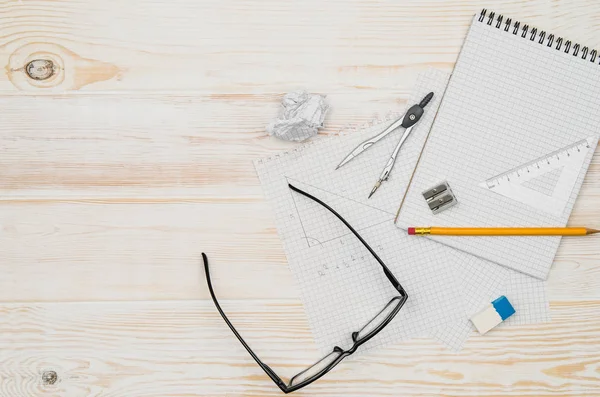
point(486, 319)
point(493, 314)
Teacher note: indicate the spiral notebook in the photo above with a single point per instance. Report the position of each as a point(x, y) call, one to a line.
point(514, 136)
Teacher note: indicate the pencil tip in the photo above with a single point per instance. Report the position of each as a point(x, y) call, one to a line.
point(337, 167)
point(593, 231)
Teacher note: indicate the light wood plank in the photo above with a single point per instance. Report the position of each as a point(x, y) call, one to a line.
point(237, 46)
point(82, 147)
point(69, 251)
point(185, 349)
point(110, 251)
point(147, 146)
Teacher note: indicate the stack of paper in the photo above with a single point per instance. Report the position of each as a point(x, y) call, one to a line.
point(342, 286)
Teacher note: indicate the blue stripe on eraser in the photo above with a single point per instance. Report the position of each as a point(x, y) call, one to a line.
point(503, 307)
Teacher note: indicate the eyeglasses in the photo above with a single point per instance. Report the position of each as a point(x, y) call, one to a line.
point(326, 364)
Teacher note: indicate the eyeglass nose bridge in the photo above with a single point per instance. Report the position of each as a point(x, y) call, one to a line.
point(344, 353)
point(354, 346)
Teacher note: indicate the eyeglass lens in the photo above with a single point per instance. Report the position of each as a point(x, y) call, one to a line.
point(367, 331)
point(316, 368)
point(379, 320)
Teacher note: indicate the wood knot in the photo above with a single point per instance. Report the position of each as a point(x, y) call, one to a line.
point(40, 69)
point(52, 66)
point(49, 377)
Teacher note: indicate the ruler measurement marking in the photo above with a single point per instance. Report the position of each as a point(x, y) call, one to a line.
point(511, 184)
point(515, 171)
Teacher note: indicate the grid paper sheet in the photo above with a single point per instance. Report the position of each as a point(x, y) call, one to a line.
point(510, 101)
point(342, 286)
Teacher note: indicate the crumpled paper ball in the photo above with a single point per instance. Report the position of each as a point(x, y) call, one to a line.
point(301, 116)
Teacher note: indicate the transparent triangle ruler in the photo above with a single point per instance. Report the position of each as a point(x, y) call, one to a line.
point(568, 161)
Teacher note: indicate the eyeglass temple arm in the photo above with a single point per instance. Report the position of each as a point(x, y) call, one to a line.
point(274, 377)
point(387, 271)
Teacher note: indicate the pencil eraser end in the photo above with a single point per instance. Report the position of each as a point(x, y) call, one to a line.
point(411, 231)
point(494, 314)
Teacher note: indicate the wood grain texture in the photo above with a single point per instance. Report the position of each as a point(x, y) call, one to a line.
point(136, 156)
point(76, 194)
point(140, 250)
point(236, 46)
point(184, 349)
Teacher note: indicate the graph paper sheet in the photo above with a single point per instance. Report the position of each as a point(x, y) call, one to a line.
point(341, 285)
point(510, 100)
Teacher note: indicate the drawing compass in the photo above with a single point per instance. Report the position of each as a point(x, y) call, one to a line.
point(406, 121)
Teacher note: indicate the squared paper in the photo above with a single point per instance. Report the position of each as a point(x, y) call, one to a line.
point(510, 100)
point(341, 285)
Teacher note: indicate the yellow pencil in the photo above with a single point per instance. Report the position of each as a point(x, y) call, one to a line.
point(502, 231)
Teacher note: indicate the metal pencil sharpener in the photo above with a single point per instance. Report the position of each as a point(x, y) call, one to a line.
point(439, 197)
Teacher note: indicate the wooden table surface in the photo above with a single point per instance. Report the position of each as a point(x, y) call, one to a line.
point(136, 156)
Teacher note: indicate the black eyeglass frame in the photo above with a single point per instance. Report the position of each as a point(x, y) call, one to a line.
point(288, 388)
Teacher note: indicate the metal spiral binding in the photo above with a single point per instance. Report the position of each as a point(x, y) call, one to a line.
point(550, 40)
